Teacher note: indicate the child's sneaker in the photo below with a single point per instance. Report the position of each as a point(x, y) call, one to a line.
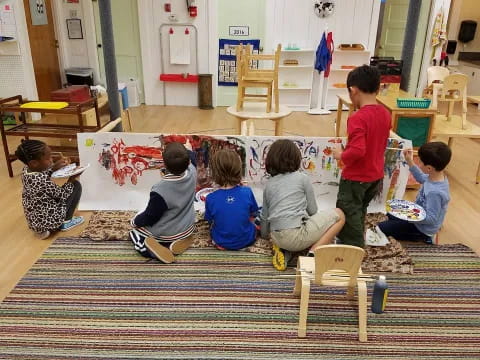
point(70, 224)
point(180, 246)
point(42, 235)
point(159, 251)
point(280, 258)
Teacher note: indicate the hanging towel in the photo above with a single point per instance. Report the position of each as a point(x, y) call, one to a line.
point(323, 56)
point(330, 50)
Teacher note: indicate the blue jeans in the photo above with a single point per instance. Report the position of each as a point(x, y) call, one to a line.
point(403, 230)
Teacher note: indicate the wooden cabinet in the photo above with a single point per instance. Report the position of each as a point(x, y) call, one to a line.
point(473, 73)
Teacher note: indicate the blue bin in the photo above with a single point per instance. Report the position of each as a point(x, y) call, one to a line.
point(122, 89)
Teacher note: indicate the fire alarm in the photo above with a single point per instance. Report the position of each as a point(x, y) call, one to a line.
point(167, 7)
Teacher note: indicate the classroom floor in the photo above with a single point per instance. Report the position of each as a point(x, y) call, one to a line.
point(19, 249)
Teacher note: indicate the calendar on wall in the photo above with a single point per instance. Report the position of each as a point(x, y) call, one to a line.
point(227, 59)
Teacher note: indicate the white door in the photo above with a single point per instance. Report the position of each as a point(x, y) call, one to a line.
point(127, 42)
point(393, 28)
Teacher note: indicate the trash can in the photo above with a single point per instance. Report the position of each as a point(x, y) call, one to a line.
point(79, 76)
point(205, 91)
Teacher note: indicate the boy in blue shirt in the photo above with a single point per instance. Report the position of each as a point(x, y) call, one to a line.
point(230, 208)
point(433, 195)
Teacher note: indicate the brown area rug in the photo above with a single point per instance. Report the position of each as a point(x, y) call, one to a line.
point(115, 225)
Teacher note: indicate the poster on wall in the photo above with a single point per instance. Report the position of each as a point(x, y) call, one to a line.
point(227, 60)
point(38, 12)
point(124, 167)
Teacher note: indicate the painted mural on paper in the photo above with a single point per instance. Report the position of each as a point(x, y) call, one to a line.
point(124, 166)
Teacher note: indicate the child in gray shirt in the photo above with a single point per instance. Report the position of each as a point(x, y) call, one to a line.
point(433, 195)
point(289, 213)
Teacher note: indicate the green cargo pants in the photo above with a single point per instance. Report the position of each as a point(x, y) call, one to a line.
point(353, 198)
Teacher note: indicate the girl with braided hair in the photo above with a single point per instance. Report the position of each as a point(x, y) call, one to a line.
point(47, 206)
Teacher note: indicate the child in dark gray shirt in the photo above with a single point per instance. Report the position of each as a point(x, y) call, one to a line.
point(433, 195)
point(165, 227)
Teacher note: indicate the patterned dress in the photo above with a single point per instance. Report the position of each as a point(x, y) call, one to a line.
point(44, 202)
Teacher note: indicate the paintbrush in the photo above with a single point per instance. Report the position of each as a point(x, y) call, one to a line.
point(400, 149)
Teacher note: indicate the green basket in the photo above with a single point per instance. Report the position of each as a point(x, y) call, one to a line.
point(414, 103)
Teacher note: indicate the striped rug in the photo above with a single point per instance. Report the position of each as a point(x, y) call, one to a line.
point(91, 300)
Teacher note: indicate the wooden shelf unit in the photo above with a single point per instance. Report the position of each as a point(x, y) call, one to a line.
point(28, 129)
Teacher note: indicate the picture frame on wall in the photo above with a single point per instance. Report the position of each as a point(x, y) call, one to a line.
point(74, 29)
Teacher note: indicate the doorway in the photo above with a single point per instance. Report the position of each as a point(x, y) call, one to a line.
point(391, 36)
point(127, 43)
point(391, 28)
point(44, 47)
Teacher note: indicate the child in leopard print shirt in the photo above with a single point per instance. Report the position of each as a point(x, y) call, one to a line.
point(47, 206)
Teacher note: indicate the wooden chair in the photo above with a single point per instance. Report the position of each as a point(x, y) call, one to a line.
point(434, 74)
point(249, 77)
point(333, 265)
point(454, 89)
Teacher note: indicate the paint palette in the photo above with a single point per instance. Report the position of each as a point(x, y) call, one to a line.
point(405, 210)
point(202, 194)
point(69, 170)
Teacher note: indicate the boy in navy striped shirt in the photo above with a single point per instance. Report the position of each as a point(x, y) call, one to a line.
point(165, 227)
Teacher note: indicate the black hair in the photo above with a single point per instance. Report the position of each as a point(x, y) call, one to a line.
point(175, 157)
point(283, 157)
point(366, 78)
point(29, 150)
point(436, 154)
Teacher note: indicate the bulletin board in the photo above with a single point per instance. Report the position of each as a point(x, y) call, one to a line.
point(227, 60)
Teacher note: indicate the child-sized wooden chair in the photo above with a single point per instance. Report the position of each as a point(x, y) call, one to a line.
point(333, 265)
point(250, 77)
point(454, 89)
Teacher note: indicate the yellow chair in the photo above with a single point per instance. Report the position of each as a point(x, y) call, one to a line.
point(248, 76)
point(454, 89)
point(333, 265)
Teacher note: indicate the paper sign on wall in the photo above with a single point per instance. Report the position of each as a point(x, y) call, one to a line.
point(38, 12)
point(179, 42)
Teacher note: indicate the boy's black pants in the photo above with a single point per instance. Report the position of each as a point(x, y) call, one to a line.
point(353, 198)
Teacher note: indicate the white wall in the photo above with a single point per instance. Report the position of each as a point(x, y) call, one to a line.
point(437, 6)
point(353, 21)
point(464, 10)
point(152, 16)
point(16, 71)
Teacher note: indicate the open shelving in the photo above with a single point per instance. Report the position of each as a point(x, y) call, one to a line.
point(295, 81)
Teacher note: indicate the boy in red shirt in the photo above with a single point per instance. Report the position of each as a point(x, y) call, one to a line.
point(368, 130)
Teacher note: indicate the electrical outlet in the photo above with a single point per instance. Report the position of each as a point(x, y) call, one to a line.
point(73, 14)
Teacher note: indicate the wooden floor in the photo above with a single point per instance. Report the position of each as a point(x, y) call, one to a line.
point(19, 249)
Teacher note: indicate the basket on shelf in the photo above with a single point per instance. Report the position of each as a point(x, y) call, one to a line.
point(413, 103)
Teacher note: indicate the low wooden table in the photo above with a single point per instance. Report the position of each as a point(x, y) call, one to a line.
point(252, 111)
point(453, 129)
point(474, 100)
point(389, 101)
